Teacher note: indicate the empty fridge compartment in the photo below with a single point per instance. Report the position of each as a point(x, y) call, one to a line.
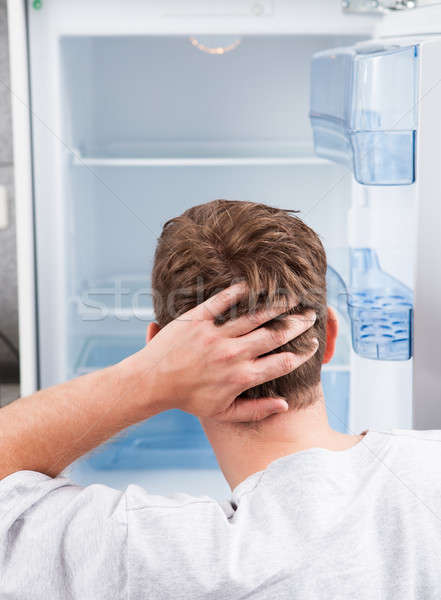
point(157, 99)
point(170, 440)
point(363, 110)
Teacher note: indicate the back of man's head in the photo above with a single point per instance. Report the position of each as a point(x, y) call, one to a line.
point(213, 245)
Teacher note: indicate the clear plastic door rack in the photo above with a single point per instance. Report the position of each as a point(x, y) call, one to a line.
point(380, 308)
point(363, 110)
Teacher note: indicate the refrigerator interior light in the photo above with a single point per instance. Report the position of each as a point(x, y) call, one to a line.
point(215, 44)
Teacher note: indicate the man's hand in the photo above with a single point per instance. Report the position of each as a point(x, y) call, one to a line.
point(202, 368)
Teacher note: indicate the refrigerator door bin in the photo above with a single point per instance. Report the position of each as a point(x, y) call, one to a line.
point(363, 110)
point(336, 291)
point(380, 308)
point(336, 295)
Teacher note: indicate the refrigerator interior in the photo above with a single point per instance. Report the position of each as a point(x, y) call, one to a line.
point(152, 125)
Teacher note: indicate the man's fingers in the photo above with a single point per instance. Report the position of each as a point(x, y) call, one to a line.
point(265, 339)
point(219, 303)
point(275, 365)
point(254, 319)
point(247, 410)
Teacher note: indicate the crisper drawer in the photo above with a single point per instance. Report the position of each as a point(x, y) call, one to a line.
point(170, 440)
point(175, 439)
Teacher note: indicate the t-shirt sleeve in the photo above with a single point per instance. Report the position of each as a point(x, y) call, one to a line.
point(60, 540)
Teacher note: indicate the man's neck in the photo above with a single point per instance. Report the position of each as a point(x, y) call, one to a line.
point(242, 450)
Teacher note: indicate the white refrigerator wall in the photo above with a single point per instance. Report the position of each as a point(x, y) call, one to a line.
point(427, 378)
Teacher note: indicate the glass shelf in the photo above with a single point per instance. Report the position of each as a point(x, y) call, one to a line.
point(123, 297)
point(198, 153)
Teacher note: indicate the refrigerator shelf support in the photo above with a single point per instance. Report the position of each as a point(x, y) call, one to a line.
point(196, 162)
point(200, 155)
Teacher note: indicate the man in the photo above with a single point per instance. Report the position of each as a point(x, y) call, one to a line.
point(313, 514)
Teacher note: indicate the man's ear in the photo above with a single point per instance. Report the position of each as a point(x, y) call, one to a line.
point(331, 335)
point(152, 330)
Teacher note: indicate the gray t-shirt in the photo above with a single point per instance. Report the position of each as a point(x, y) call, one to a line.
point(364, 523)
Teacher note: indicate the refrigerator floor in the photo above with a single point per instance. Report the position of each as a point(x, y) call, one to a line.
point(197, 482)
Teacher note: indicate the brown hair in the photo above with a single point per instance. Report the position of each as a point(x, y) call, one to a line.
point(213, 245)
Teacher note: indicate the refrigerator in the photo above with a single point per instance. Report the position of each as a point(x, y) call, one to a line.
point(127, 113)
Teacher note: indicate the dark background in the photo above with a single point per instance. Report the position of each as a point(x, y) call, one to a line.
point(8, 261)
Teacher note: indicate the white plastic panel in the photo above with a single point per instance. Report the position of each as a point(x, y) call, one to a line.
point(143, 17)
point(20, 101)
point(218, 8)
point(427, 378)
point(422, 20)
